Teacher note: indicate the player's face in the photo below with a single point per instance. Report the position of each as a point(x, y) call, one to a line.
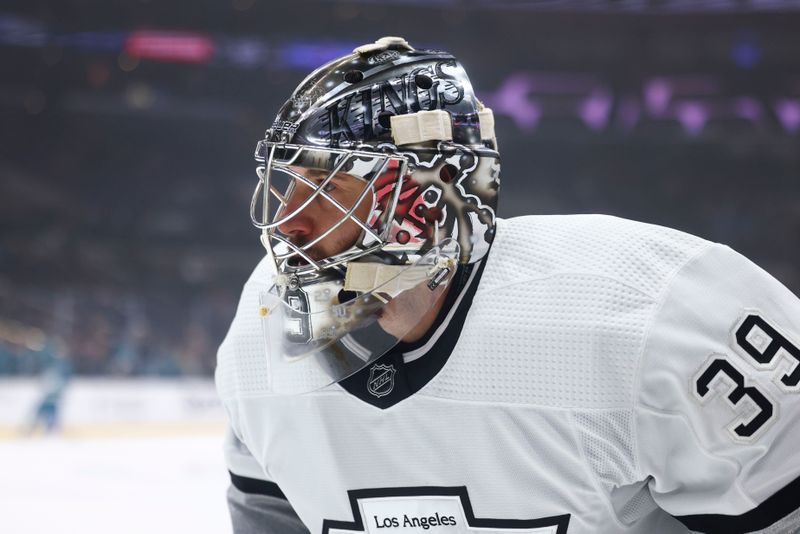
point(321, 214)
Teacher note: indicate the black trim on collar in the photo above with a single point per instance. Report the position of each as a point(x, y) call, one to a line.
point(256, 486)
point(769, 512)
point(408, 378)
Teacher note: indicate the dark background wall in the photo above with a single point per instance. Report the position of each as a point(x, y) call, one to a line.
point(128, 130)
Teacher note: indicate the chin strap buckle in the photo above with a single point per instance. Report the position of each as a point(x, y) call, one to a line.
point(437, 278)
point(444, 267)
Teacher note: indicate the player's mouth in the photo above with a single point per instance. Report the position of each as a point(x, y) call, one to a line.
point(298, 261)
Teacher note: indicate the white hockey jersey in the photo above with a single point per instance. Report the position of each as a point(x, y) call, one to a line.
point(594, 375)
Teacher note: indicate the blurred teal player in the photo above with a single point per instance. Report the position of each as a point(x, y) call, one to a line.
point(55, 379)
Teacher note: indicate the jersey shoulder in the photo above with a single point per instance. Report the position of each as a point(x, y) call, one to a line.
point(562, 310)
point(241, 365)
point(640, 255)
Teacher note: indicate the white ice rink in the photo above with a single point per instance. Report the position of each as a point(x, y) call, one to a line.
point(113, 486)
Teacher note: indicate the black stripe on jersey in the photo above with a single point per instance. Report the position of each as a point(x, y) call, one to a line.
point(412, 376)
point(254, 485)
point(769, 512)
point(561, 522)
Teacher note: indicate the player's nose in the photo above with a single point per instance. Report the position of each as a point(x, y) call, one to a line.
point(300, 224)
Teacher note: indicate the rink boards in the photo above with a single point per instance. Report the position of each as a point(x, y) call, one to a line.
point(116, 407)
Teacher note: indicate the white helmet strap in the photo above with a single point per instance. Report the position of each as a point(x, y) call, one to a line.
point(391, 279)
point(434, 125)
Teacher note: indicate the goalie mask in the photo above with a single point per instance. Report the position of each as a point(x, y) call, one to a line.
point(377, 178)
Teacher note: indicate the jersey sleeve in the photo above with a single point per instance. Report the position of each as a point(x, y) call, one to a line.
point(718, 402)
point(256, 503)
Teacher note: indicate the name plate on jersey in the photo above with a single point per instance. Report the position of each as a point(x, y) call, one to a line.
point(431, 511)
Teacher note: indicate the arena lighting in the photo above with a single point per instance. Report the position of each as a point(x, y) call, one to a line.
point(788, 111)
point(17, 31)
point(605, 6)
point(177, 47)
point(309, 54)
point(691, 101)
point(91, 41)
point(306, 55)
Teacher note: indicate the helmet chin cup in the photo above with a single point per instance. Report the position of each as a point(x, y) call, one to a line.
point(319, 333)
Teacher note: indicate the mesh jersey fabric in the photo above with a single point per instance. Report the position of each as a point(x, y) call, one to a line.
point(535, 414)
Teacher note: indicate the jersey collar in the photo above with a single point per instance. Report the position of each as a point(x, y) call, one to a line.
point(408, 367)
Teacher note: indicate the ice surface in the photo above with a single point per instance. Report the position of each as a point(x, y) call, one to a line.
point(158, 485)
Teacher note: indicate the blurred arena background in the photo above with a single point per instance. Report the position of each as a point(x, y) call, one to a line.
point(126, 171)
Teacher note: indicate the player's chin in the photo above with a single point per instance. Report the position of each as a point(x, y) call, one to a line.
point(313, 253)
point(331, 249)
point(319, 253)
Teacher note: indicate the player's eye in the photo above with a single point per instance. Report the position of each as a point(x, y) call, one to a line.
point(320, 178)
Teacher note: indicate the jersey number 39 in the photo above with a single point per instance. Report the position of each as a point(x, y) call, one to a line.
point(765, 349)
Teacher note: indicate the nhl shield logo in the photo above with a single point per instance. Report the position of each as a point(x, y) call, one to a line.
point(381, 380)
